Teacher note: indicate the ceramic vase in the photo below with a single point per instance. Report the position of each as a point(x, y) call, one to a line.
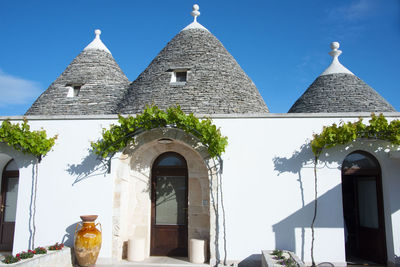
point(87, 241)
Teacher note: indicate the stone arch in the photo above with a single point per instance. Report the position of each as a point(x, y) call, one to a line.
point(4, 159)
point(132, 188)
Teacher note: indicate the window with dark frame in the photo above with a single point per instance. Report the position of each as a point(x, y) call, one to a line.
point(77, 88)
point(181, 76)
point(73, 89)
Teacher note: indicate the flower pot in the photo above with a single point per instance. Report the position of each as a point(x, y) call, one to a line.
point(87, 241)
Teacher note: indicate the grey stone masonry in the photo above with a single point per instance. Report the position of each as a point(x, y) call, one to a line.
point(216, 84)
point(340, 92)
point(101, 82)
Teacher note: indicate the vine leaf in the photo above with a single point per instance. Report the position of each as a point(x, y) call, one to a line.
point(21, 138)
point(378, 128)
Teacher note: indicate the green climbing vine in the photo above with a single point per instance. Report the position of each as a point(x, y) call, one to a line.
point(118, 136)
point(21, 138)
point(378, 129)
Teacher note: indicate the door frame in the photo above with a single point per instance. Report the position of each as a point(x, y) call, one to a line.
point(168, 171)
point(354, 174)
point(6, 174)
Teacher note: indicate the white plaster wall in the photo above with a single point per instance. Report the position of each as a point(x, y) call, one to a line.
point(264, 201)
point(268, 188)
point(266, 205)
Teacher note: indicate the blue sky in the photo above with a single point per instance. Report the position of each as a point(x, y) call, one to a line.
point(282, 45)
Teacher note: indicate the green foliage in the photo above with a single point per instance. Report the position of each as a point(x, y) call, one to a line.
point(21, 138)
point(56, 246)
point(282, 260)
point(25, 255)
point(278, 253)
point(9, 259)
point(344, 133)
point(40, 250)
point(289, 262)
point(118, 136)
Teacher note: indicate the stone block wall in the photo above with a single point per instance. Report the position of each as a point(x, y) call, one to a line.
point(132, 188)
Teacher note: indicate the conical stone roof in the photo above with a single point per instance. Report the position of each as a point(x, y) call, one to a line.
point(98, 81)
point(339, 90)
point(215, 82)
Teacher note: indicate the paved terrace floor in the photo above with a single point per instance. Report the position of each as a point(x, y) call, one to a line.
point(184, 262)
point(150, 262)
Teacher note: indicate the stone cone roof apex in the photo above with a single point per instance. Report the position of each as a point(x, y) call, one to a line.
point(92, 83)
point(97, 44)
point(336, 66)
point(195, 25)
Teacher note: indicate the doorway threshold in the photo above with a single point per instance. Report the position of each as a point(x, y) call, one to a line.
point(356, 262)
point(153, 261)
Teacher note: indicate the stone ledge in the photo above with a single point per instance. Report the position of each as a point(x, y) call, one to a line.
point(59, 258)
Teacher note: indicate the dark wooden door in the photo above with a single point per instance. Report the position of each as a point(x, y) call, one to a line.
point(169, 229)
point(370, 223)
point(8, 207)
point(364, 214)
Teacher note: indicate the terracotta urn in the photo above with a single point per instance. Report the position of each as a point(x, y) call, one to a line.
point(87, 241)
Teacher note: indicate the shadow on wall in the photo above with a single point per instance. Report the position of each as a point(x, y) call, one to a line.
point(253, 260)
point(90, 166)
point(68, 238)
point(22, 160)
point(285, 229)
point(303, 159)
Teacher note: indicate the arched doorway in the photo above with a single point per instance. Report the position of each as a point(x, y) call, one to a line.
point(363, 209)
point(132, 203)
point(8, 205)
point(169, 206)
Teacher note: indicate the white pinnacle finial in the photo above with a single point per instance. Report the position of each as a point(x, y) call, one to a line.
point(97, 44)
point(195, 13)
point(97, 32)
point(195, 25)
point(336, 66)
point(335, 53)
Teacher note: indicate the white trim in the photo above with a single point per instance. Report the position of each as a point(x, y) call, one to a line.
point(342, 115)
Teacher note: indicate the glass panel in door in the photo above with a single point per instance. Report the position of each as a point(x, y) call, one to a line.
point(367, 202)
point(10, 205)
point(170, 200)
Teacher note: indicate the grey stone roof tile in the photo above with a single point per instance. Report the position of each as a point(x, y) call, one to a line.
point(215, 81)
point(340, 92)
point(102, 80)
